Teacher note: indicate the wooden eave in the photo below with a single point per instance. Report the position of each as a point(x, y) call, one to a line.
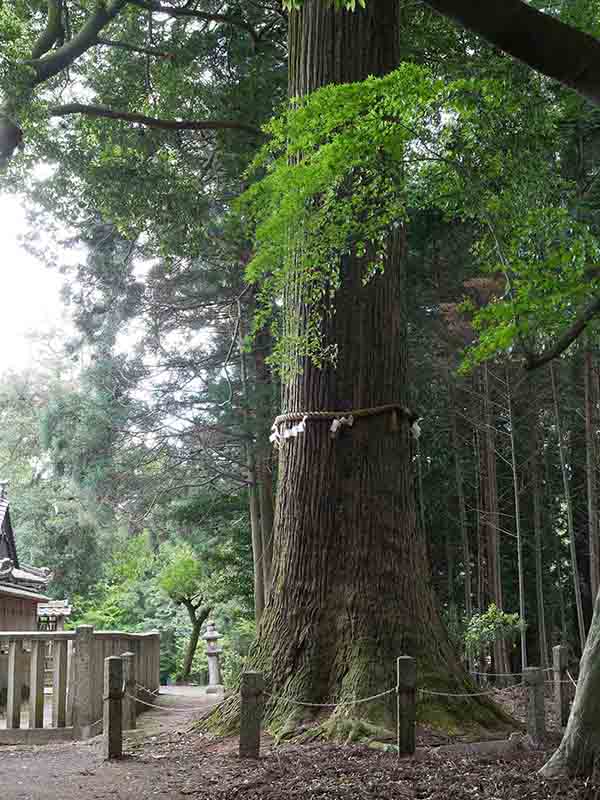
point(9, 590)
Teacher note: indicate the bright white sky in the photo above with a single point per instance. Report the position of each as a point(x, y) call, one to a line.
point(29, 291)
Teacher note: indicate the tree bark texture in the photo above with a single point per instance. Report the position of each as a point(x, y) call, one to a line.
point(351, 584)
point(579, 750)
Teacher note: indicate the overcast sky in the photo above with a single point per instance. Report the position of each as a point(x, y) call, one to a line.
point(29, 291)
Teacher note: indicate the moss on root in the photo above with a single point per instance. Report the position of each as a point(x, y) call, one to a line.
point(471, 718)
point(474, 717)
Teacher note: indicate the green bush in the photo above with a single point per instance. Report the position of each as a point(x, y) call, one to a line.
point(492, 626)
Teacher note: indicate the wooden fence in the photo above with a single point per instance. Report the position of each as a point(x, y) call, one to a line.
point(51, 682)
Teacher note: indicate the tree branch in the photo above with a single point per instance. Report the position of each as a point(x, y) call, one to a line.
point(132, 48)
point(53, 63)
point(153, 122)
point(173, 11)
point(567, 338)
point(52, 32)
point(543, 42)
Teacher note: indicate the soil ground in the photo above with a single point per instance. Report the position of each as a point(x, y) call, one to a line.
point(166, 758)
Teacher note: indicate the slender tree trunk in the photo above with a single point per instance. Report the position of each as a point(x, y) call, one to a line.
point(557, 553)
point(420, 493)
point(264, 415)
point(536, 490)
point(517, 496)
point(569, 506)
point(197, 618)
point(253, 493)
point(351, 584)
point(492, 517)
point(462, 509)
point(478, 526)
point(592, 486)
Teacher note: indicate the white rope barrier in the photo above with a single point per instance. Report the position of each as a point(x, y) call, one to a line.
point(573, 681)
point(167, 708)
point(331, 705)
point(504, 674)
point(450, 694)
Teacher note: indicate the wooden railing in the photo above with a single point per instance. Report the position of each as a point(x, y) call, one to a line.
point(72, 708)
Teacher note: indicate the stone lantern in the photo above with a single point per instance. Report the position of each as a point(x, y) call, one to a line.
point(213, 652)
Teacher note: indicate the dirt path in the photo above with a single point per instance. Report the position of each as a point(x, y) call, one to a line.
point(77, 771)
point(167, 759)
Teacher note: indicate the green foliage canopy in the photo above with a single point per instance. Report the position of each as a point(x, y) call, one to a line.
point(348, 163)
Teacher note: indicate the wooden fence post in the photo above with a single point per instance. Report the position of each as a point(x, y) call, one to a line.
point(37, 663)
point(129, 698)
point(15, 686)
point(251, 691)
point(59, 684)
point(561, 694)
point(82, 700)
point(533, 678)
point(112, 732)
point(406, 689)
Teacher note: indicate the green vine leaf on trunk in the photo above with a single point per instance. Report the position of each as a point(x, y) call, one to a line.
point(348, 163)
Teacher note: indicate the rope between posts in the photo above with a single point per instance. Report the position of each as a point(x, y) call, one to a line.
point(505, 674)
point(331, 705)
point(470, 694)
point(166, 708)
point(154, 692)
point(573, 681)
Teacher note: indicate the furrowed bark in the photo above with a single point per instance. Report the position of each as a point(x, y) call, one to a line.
point(579, 751)
point(351, 583)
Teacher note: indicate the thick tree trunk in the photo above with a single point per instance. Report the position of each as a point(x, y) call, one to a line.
point(351, 584)
point(579, 751)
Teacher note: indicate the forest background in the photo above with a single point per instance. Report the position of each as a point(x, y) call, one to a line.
point(138, 451)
